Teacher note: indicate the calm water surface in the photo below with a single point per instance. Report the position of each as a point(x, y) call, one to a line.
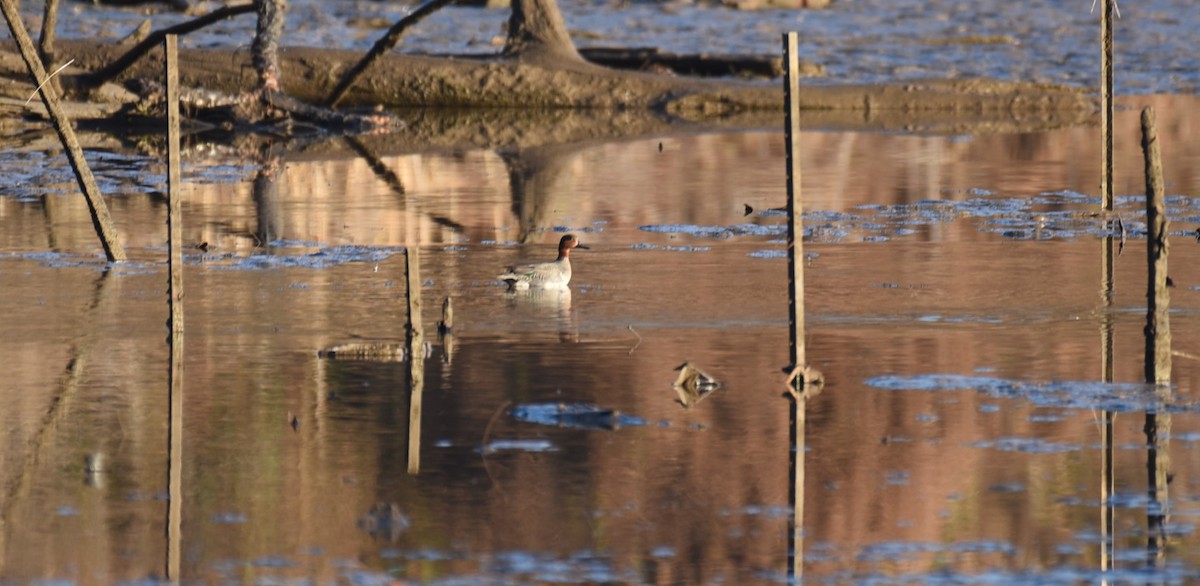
point(954, 306)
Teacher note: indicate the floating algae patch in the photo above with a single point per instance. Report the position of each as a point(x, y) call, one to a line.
point(575, 415)
point(1118, 397)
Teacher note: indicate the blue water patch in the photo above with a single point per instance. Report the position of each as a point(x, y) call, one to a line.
point(578, 568)
point(717, 231)
point(768, 253)
point(668, 248)
point(325, 258)
point(574, 415)
point(897, 551)
point(229, 518)
point(1026, 444)
point(1117, 397)
point(520, 445)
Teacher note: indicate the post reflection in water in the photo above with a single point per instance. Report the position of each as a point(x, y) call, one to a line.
point(416, 354)
point(1108, 418)
point(1158, 347)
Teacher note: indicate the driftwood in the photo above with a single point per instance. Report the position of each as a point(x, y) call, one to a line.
point(407, 81)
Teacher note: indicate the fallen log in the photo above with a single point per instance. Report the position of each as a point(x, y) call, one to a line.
point(411, 81)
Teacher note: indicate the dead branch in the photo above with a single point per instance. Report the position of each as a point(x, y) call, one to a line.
point(117, 67)
point(383, 45)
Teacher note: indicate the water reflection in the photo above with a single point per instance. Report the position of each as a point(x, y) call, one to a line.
point(984, 483)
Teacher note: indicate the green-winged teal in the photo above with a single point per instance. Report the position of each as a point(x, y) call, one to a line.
point(546, 275)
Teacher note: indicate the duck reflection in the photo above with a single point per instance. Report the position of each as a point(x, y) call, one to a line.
point(539, 304)
point(693, 385)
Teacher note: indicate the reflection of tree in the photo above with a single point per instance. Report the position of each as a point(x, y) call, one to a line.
point(267, 206)
point(536, 176)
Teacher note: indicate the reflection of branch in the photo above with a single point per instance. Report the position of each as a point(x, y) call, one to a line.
point(386, 43)
point(639, 342)
point(55, 413)
point(487, 431)
point(385, 174)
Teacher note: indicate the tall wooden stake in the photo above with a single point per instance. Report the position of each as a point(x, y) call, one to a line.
point(1107, 479)
point(175, 300)
point(795, 210)
point(795, 207)
point(1158, 296)
point(1158, 343)
point(1106, 103)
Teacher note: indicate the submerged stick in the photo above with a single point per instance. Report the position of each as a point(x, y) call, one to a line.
point(386, 43)
point(66, 134)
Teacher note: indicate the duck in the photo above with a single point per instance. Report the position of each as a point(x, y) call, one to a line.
point(547, 275)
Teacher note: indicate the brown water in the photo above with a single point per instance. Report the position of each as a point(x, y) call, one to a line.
point(993, 476)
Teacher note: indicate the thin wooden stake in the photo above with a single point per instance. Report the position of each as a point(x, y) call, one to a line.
point(795, 205)
point(175, 301)
point(1158, 296)
point(1107, 478)
point(66, 134)
point(1158, 345)
point(795, 241)
point(1106, 103)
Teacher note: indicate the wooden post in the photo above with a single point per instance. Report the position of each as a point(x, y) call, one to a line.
point(175, 301)
point(66, 134)
point(1107, 479)
point(1158, 342)
point(1158, 296)
point(1106, 103)
point(795, 241)
point(795, 208)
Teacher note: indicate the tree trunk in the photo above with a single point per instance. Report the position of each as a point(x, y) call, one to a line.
point(536, 31)
point(265, 49)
